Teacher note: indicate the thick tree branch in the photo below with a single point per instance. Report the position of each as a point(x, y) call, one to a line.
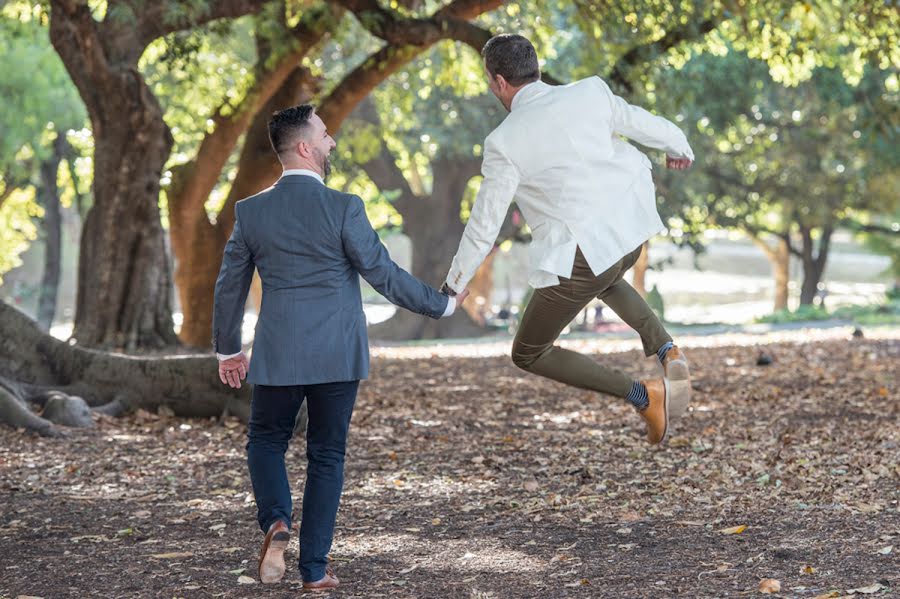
point(644, 53)
point(386, 61)
point(401, 31)
point(194, 181)
point(158, 18)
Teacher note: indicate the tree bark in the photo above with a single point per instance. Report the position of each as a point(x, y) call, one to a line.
point(434, 228)
point(814, 260)
point(48, 197)
point(124, 283)
point(780, 258)
point(35, 366)
point(639, 278)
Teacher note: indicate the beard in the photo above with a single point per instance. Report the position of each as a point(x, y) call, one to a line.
point(324, 163)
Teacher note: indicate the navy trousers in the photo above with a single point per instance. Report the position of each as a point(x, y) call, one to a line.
point(273, 411)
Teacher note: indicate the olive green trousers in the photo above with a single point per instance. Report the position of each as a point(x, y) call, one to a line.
point(551, 309)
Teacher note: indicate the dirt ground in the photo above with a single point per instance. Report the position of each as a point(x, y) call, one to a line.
point(469, 478)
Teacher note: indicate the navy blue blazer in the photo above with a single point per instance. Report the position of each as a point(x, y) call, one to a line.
point(309, 244)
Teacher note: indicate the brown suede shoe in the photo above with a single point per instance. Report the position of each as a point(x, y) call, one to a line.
point(656, 414)
point(679, 376)
point(327, 582)
point(271, 558)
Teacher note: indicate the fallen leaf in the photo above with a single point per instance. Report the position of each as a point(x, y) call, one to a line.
point(828, 595)
point(246, 580)
point(173, 555)
point(807, 570)
point(886, 550)
point(872, 588)
point(734, 530)
point(530, 485)
point(237, 572)
point(408, 570)
point(435, 521)
point(768, 586)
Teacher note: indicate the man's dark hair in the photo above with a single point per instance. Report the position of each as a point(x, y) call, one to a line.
point(513, 57)
point(288, 125)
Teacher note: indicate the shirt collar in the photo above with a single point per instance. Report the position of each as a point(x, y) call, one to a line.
point(302, 171)
point(527, 93)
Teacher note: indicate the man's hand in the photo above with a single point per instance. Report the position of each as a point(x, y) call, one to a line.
point(461, 297)
point(678, 164)
point(233, 370)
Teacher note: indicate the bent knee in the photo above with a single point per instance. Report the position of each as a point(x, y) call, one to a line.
point(524, 357)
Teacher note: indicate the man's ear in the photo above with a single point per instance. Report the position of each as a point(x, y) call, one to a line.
point(502, 83)
point(303, 148)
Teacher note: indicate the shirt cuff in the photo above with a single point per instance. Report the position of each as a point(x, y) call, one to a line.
point(451, 307)
point(226, 356)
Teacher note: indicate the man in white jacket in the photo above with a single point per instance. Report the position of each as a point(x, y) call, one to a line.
point(589, 199)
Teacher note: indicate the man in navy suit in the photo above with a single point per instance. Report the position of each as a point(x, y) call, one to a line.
point(310, 244)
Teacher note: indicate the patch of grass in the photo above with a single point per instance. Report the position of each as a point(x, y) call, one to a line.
point(872, 314)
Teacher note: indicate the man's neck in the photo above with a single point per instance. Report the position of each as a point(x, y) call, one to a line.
point(306, 166)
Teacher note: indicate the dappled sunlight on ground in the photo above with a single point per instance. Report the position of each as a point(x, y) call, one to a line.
point(468, 478)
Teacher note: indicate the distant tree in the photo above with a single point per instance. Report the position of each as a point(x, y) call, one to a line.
point(787, 165)
point(40, 107)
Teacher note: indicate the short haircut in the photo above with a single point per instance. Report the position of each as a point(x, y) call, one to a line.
point(513, 57)
point(289, 125)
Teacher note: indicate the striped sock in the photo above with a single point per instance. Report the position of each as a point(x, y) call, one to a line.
point(638, 396)
point(661, 352)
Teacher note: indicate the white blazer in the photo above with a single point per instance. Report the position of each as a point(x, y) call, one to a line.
point(576, 182)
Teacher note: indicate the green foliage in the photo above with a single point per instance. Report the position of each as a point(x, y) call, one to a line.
point(887, 313)
point(40, 102)
point(195, 72)
point(17, 228)
point(801, 314)
point(770, 157)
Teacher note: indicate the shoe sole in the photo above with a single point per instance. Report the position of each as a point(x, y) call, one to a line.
point(667, 395)
point(680, 384)
point(677, 370)
point(271, 568)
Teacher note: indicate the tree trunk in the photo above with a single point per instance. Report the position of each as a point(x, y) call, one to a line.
point(434, 229)
point(199, 244)
point(48, 197)
point(124, 283)
point(781, 267)
point(35, 367)
point(639, 278)
point(780, 259)
point(813, 262)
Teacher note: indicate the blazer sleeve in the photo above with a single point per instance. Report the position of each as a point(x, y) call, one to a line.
point(232, 287)
point(371, 260)
point(650, 130)
point(498, 187)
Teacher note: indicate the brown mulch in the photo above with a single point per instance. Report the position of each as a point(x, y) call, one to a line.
point(469, 478)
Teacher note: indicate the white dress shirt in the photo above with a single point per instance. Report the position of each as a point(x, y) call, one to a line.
point(451, 304)
point(576, 181)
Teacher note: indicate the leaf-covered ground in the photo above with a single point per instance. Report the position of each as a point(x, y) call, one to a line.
point(468, 478)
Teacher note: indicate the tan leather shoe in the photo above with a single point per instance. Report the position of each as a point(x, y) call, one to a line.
point(679, 376)
point(271, 557)
point(327, 582)
point(656, 414)
point(676, 365)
